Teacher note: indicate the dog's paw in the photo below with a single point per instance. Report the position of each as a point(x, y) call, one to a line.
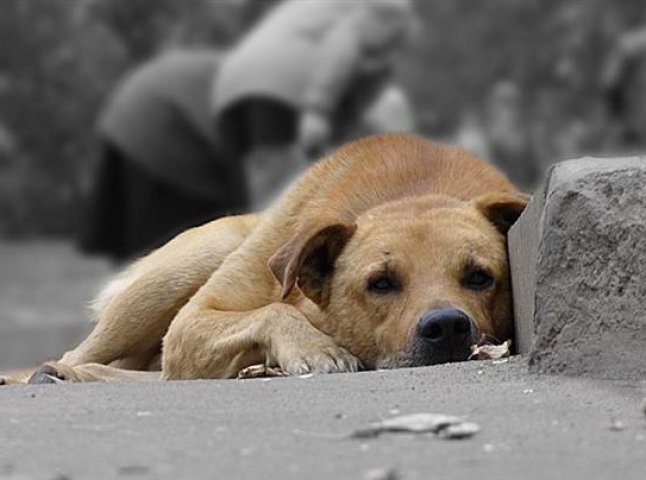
point(11, 380)
point(50, 373)
point(317, 357)
point(321, 362)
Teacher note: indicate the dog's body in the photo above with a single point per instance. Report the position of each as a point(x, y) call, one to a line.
point(390, 252)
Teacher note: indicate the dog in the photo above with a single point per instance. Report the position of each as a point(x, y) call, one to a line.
point(390, 252)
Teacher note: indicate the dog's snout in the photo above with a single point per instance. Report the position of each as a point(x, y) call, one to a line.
point(448, 327)
point(443, 335)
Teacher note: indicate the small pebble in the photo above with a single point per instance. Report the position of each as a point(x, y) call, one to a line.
point(617, 426)
point(459, 431)
point(381, 474)
point(415, 423)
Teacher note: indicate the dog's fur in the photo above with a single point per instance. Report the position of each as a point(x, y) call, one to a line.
point(334, 277)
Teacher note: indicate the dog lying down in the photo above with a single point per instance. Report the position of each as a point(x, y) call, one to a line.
point(388, 253)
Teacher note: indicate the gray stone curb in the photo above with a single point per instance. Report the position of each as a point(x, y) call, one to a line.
point(578, 265)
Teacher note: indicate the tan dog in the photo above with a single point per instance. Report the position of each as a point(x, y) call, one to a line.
point(390, 252)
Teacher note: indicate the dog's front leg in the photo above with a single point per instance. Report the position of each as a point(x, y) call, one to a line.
point(205, 343)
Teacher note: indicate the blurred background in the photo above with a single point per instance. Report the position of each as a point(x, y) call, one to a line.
point(124, 121)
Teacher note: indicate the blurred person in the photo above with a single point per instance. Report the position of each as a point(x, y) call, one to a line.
point(160, 169)
point(300, 81)
point(624, 86)
point(391, 111)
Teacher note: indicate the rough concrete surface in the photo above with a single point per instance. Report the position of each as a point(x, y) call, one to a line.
point(533, 427)
point(522, 245)
point(585, 258)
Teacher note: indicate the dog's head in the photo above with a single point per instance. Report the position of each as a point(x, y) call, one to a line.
point(413, 282)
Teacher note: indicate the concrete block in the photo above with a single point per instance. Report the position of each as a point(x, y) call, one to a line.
point(578, 266)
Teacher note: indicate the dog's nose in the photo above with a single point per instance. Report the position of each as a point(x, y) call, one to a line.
point(448, 328)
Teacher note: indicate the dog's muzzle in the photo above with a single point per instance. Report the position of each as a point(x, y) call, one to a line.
point(443, 335)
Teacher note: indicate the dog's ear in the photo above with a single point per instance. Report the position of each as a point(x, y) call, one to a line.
point(502, 209)
point(308, 260)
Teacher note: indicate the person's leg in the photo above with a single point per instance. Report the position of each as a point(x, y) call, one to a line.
point(269, 123)
point(158, 211)
point(271, 159)
point(232, 139)
point(102, 226)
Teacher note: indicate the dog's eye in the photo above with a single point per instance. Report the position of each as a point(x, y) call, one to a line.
point(383, 284)
point(478, 280)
